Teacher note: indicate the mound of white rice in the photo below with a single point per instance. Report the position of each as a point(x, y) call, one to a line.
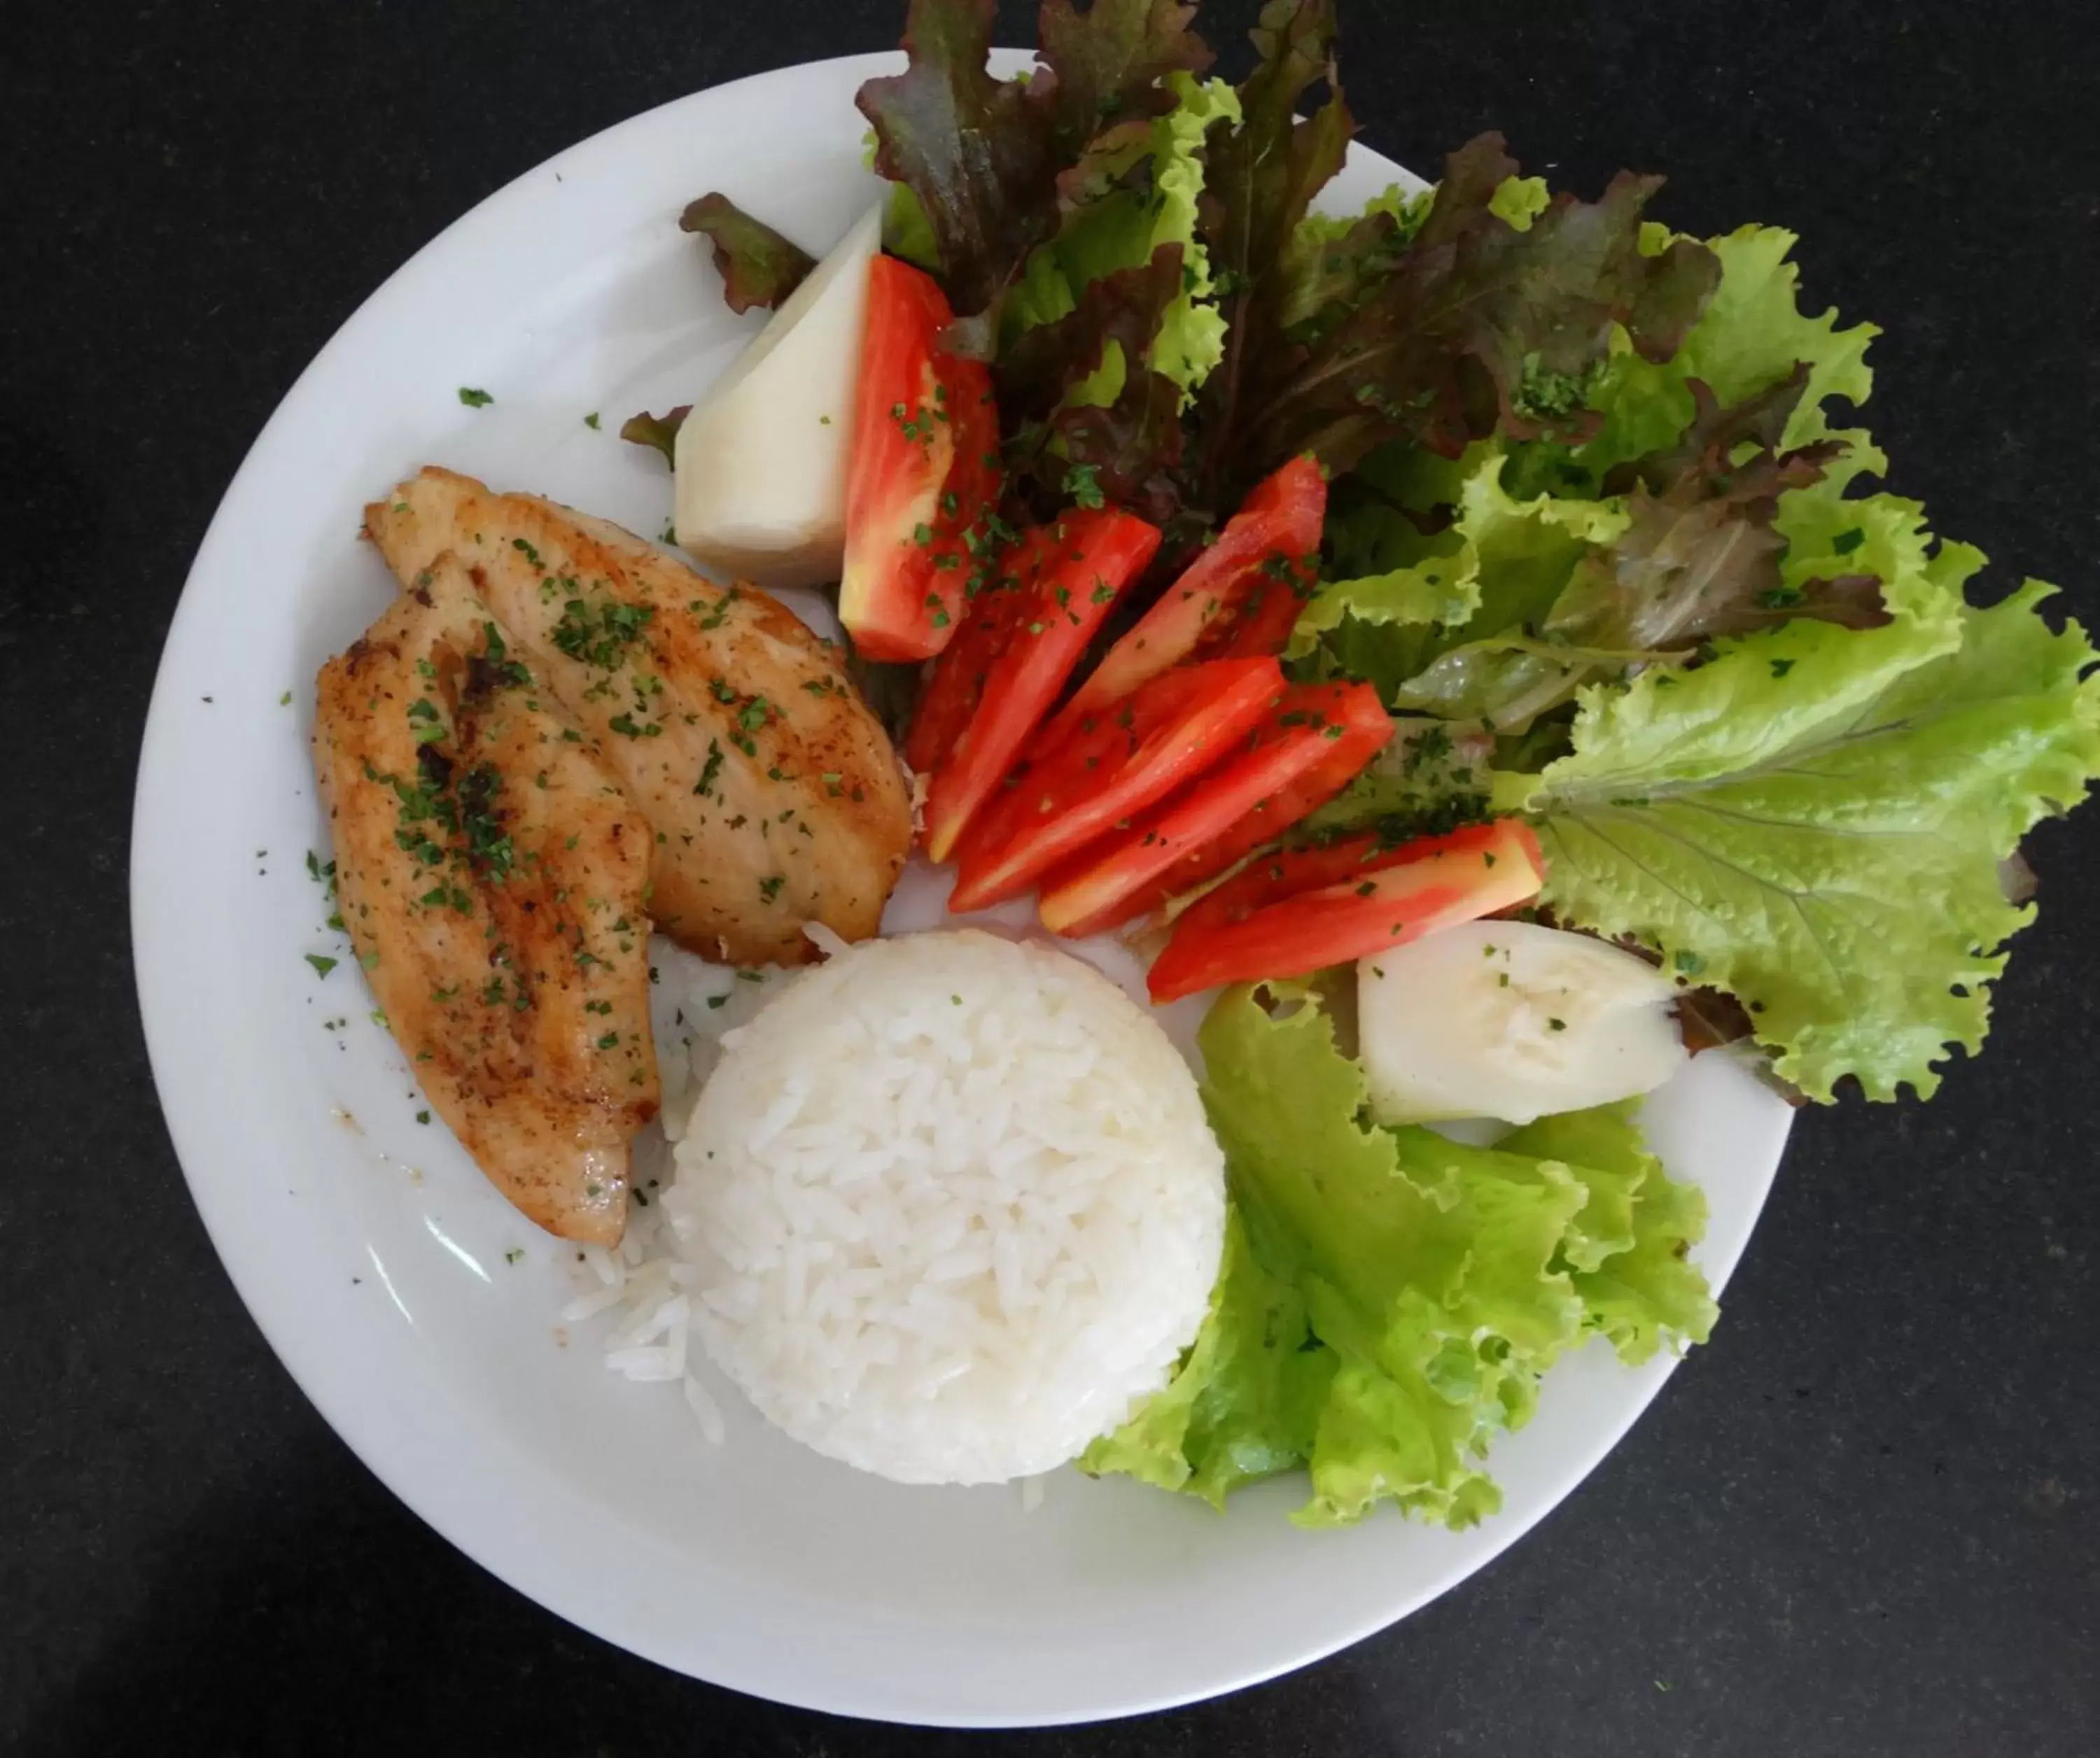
point(951, 1207)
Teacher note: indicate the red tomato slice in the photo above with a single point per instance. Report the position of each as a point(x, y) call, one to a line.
point(997, 602)
point(1072, 572)
point(1239, 597)
point(1090, 781)
point(1307, 749)
point(924, 465)
point(1297, 913)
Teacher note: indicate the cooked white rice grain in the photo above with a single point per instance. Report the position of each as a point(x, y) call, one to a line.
point(953, 1207)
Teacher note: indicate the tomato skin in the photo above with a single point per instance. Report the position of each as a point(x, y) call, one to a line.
point(923, 466)
point(1308, 749)
point(1239, 597)
point(991, 615)
point(1293, 914)
point(1079, 787)
point(1072, 572)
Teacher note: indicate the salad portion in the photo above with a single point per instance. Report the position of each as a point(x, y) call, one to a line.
point(1286, 589)
point(1570, 495)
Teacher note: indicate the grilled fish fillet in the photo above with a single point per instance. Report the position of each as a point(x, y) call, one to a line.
point(492, 875)
point(773, 794)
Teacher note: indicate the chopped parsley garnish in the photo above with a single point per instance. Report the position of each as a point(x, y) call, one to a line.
point(714, 620)
point(321, 963)
point(487, 843)
point(711, 768)
point(475, 398)
point(1083, 482)
point(493, 668)
point(599, 640)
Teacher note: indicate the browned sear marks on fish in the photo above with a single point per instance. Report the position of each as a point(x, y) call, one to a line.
point(493, 877)
point(771, 793)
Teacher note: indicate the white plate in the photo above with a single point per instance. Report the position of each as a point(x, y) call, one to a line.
point(372, 1254)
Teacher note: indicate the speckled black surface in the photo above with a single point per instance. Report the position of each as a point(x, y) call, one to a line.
point(1865, 1521)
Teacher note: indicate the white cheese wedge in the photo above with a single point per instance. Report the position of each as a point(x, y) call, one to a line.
point(1512, 1020)
point(761, 463)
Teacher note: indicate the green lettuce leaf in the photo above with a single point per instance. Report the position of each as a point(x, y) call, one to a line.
point(1699, 557)
point(758, 267)
point(983, 157)
point(1191, 338)
point(1332, 263)
point(906, 232)
point(1750, 337)
point(1628, 1250)
point(1431, 776)
point(1115, 224)
point(1390, 1298)
point(658, 432)
point(1244, 1403)
point(1736, 516)
point(1449, 561)
point(1132, 442)
point(1263, 175)
point(1816, 819)
point(1441, 351)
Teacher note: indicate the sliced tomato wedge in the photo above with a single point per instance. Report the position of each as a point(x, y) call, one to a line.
point(1090, 781)
point(996, 603)
point(1239, 597)
point(1295, 914)
point(923, 467)
point(1070, 573)
point(1307, 749)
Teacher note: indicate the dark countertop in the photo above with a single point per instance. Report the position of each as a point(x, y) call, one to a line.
point(1865, 1521)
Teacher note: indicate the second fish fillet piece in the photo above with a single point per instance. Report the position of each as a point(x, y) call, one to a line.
point(774, 797)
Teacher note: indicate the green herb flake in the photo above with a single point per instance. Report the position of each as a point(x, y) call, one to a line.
point(1083, 483)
